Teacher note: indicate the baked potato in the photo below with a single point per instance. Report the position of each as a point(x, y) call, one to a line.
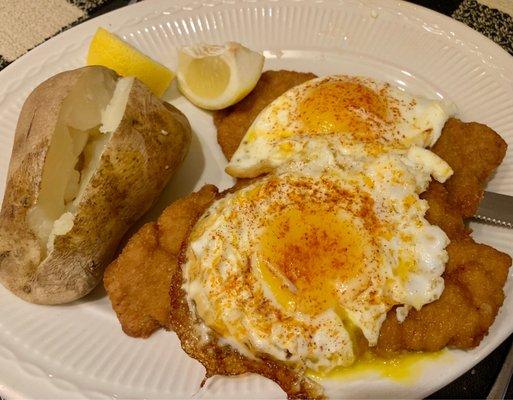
point(92, 152)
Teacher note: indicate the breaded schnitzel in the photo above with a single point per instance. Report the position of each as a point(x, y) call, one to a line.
point(138, 280)
point(475, 273)
point(474, 277)
point(474, 151)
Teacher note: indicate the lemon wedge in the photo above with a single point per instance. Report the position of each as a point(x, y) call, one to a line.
point(110, 51)
point(216, 76)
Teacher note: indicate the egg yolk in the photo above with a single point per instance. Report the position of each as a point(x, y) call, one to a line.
point(404, 368)
point(304, 255)
point(343, 107)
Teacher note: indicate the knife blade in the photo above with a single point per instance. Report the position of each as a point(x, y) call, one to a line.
point(496, 208)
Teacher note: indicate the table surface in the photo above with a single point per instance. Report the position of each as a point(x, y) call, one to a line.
point(477, 382)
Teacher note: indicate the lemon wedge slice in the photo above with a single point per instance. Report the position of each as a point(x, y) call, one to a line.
point(216, 76)
point(110, 51)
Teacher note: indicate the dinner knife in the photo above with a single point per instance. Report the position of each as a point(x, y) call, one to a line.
point(496, 209)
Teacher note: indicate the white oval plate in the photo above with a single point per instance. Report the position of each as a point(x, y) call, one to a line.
point(78, 350)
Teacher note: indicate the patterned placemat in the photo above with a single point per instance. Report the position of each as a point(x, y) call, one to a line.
point(26, 23)
point(493, 18)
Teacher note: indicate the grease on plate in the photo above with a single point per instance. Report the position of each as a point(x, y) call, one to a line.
point(404, 368)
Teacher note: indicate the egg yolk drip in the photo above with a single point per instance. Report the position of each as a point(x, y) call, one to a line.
point(303, 255)
point(343, 107)
point(404, 368)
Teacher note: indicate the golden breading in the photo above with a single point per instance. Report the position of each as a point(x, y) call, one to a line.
point(474, 277)
point(473, 151)
point(442, 213)
point(233, 122)
point(138, 281)
point(475, 273)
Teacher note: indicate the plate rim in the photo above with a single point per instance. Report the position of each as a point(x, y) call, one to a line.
point(182, 5)
point(116, 21)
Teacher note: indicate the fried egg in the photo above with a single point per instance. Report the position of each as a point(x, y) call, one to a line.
point(303, 262)
point(360, 116)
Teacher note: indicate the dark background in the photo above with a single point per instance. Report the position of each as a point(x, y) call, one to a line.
point(477, 382)
point(446, 7)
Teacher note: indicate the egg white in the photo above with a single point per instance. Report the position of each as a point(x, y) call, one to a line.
point(228, 291)
point(364, 117)
point(301, 262)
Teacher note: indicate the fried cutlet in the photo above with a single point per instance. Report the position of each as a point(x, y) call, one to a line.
point(473, 151)
point(442, 213)
point(233, 122)
point(475, 273)
point(474, 277)
point(138, 280)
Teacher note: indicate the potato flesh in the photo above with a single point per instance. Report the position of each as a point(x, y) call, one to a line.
point(115, 110)
point(82, 109)
point(57, 171)
point(74, 153)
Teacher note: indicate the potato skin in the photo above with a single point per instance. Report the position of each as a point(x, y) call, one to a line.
point(134, 167)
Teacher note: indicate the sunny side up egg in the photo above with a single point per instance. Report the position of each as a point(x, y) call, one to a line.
point(361, 116)
point(304, 263)
point(299, 263)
